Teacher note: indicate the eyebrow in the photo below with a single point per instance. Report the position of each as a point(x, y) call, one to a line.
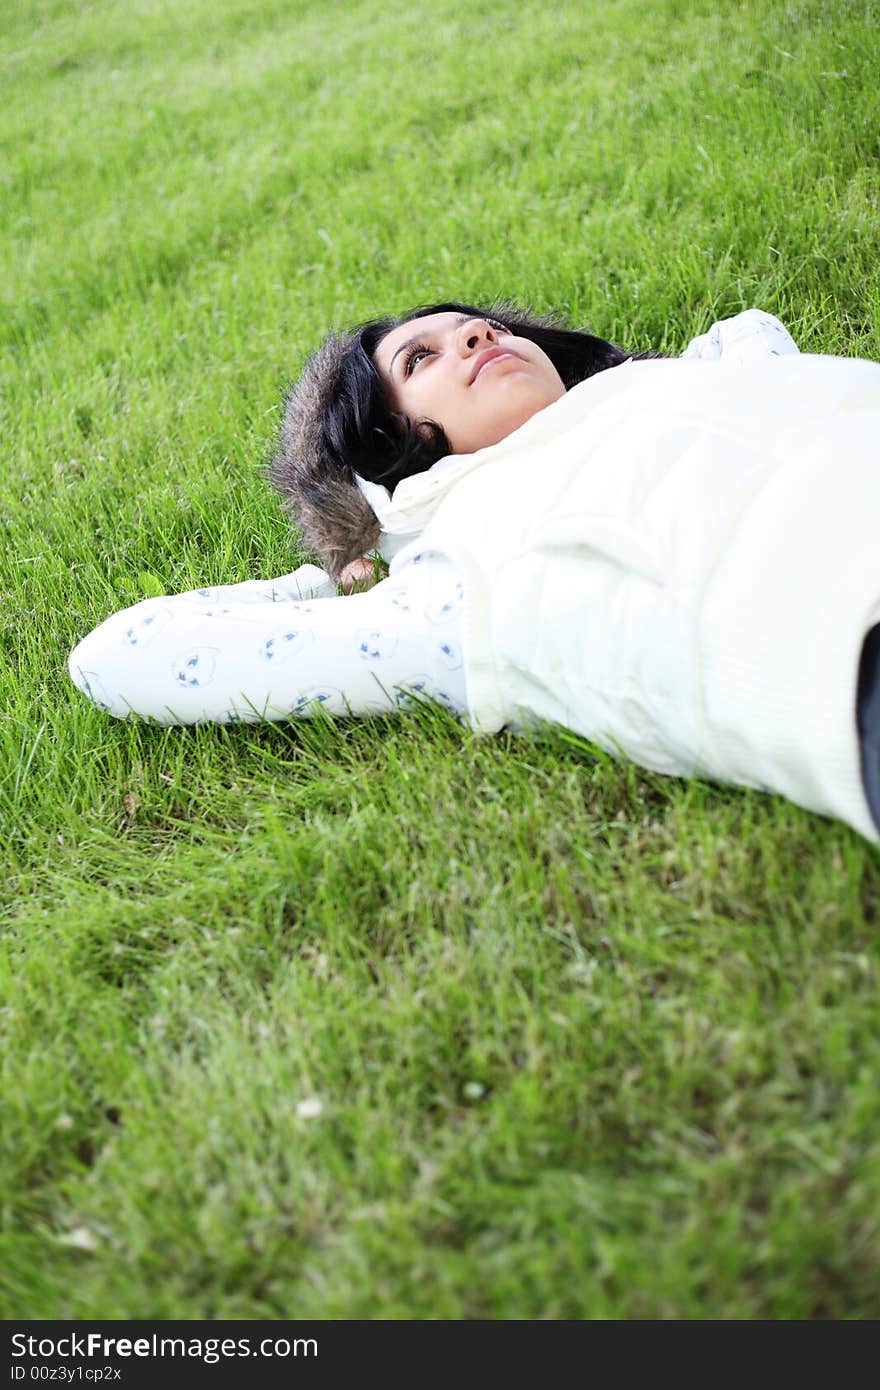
point(460, 318)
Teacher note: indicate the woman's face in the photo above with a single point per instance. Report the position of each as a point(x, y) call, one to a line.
point(469, 375)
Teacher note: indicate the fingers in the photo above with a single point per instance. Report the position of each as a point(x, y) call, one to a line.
point(357, 576)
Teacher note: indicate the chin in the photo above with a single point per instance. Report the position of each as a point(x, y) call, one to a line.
point(526, 410)
point(506, 420)
point(505, 428)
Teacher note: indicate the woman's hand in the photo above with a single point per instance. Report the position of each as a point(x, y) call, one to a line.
point(358, 575)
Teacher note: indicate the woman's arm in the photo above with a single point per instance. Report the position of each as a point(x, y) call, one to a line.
point(231, 654)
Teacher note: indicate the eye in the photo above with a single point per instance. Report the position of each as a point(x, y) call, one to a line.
point(414, 354)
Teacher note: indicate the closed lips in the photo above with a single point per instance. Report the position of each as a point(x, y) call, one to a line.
point(486, 357)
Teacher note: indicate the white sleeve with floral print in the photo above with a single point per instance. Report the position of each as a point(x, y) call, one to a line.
point(747, 337)
point(242, 653)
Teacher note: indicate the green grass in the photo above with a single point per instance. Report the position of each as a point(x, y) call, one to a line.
point(586, 1042)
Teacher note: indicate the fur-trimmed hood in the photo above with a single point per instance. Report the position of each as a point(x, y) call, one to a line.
point(321, 494)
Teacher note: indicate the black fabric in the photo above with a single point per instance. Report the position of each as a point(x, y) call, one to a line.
point(868, 719)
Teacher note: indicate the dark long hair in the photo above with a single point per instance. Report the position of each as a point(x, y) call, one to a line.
point(385, 446)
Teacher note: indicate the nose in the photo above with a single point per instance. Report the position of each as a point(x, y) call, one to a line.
point(474, 336)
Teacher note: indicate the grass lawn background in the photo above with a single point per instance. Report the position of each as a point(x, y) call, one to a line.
point(583, 1041)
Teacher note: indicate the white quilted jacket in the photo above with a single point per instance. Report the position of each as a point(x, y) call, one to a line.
point(679, 561)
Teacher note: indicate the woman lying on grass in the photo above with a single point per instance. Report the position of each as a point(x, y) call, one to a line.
point(677, 559)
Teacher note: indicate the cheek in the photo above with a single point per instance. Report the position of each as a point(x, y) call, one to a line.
point(544, 366)
point(433, 398)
